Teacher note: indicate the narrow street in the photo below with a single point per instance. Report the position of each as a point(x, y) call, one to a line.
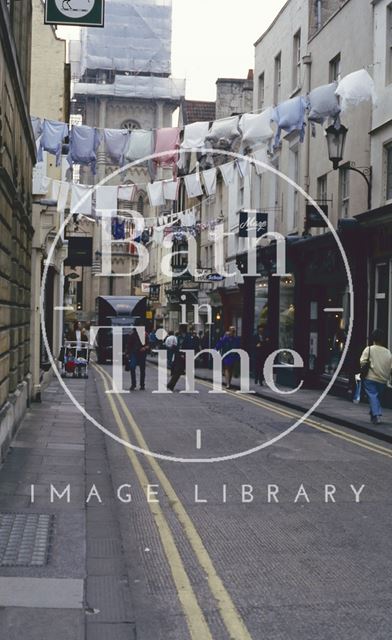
point(219, 564)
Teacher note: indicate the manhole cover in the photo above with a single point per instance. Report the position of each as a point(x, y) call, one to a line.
point(25, 539)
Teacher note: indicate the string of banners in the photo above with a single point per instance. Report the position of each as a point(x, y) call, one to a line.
point(171, 147)
point(179, 225)
point(81, 198)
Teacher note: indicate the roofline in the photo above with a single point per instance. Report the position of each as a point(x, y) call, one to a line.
point(272, 23)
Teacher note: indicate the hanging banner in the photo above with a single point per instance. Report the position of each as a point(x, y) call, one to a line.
point(87, 13)
point(251, 220)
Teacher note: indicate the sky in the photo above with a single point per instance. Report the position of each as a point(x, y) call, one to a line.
point(213, 39)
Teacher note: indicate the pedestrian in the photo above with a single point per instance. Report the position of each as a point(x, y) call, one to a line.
point(171, 345)
point(260, 342)
point(376, 369)
point(184, 341)
point(225, 344)
point(136, 354)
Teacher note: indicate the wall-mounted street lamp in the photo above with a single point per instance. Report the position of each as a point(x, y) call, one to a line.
point(336, 140)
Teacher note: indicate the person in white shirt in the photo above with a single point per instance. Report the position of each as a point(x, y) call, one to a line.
point(379, 374)
point(171, 346)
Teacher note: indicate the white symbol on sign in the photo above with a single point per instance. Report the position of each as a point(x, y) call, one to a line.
point(78, 8)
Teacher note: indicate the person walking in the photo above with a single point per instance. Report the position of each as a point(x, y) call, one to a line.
point(376, 368)
point(225, 344)
point(260, 353)
point(171, 346)
point(184, 341)
point(136, 353)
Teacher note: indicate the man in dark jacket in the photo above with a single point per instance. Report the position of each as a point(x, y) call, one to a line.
point(136, 353)
point(184, 341)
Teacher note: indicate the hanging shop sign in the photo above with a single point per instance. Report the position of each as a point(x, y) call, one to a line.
point(87, 13)
point(313, 218)
point(251, 221)
point(215, 277)
point(80, 252)
point(154, 292)
point(202, 274)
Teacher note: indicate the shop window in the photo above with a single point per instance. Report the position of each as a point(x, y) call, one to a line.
point(286, 313)
point(278, 78)
point(388, 162)
point(335, 69)
point(382, 297)
point(261, 303)
point(336, 328)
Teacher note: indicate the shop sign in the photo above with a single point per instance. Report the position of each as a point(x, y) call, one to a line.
point(253, 221)
point(88, 13)
point(80, 252)
point(201, 275)
point(313, 218)
point(215, 277)
point(145, 288)
point(154, 292)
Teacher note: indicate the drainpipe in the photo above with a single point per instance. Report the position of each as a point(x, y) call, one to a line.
point(307, 61)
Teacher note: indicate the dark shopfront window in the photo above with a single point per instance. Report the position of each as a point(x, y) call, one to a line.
point(336, 328)
point(261, 303)
point(382, 298)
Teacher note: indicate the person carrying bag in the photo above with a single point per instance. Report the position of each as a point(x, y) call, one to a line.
point(376, 369)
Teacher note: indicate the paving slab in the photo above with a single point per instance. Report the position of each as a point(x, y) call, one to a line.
point(45, 593)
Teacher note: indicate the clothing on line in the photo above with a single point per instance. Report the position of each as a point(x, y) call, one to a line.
point(290, 116)
point(115, 141)
point(155, 194)
point(83, 144)
point(167, 139)
point(53, 134)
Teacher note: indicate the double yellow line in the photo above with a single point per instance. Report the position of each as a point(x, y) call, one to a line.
point(196, 621)
point(325, 428)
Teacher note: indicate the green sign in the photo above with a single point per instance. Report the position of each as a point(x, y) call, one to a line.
point(88, 13)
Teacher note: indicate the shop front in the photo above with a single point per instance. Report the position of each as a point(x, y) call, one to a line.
point(308, 309)
point(377, 228)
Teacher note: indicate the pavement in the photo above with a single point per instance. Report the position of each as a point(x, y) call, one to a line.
point(340, 410)
point(53, 585)
point(195, 550)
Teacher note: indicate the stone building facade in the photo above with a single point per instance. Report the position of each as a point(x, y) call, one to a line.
point(17, 154)
point(50, 99)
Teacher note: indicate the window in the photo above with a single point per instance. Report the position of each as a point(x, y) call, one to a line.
point(381, 295)
point(322, 189)
point(130, 125)
point(297, 60)
point(344, 192)
point(293, 195)
point(260, 92)
point(388, 184)
point(388, 59)
point(278, 78)
point(140, 204)
point(334, 69)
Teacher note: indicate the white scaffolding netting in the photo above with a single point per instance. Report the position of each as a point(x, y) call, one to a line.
point(136, 38)
point(135, 87)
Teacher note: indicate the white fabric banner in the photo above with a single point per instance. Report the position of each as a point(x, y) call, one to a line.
point(81, 199)
point(209, 179)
